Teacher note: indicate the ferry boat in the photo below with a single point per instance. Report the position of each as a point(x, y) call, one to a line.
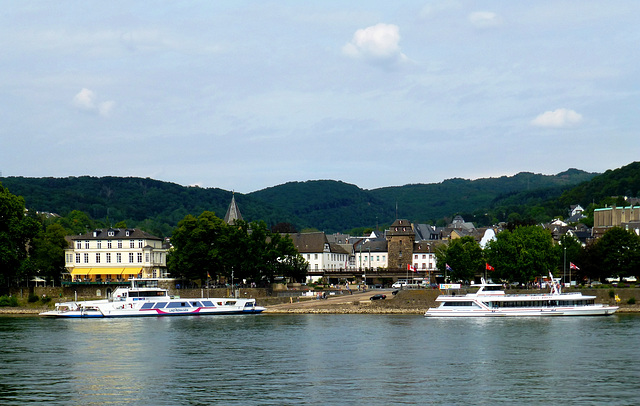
point(491, 301)
point(145, 298)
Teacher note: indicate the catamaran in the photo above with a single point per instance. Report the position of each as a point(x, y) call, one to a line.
point(145, 298)
point(490, 300)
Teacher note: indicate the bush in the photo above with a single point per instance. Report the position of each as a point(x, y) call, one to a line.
point(10, 301)
point(632, 300)
point(33, 298)
point(46, 299)
point(612, 294)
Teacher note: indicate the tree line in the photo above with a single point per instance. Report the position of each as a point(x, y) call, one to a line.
point(204, 248)
point(525, 253)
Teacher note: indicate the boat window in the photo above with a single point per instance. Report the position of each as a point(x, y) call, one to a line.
point(160, 305)
point(458, 304)
point(248, 304)
point(196, 304)
point(230, 303)
point(147, 306)
point(173, 305)
point(207, 303)
point(133, 294)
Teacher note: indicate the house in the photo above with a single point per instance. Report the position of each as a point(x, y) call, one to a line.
point(115, 255)
point(319, 253)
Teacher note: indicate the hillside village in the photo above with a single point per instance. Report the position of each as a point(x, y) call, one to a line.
point(403, 250)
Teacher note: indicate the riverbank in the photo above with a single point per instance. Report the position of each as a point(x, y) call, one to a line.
point(405, 302)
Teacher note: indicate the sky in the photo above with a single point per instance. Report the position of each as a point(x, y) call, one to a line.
point(245, 95)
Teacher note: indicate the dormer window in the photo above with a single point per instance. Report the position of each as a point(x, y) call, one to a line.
point(127, 233)
point(111, 233)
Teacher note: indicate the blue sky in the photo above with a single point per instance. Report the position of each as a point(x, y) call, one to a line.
point(244, 95)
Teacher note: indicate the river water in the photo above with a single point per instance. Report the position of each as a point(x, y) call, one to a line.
point(320, 359)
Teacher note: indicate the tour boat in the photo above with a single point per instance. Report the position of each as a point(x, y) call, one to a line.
point(145, 298)
point(490, 300)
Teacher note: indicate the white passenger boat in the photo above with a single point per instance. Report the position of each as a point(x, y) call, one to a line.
point(145, 298)
point(490, 300)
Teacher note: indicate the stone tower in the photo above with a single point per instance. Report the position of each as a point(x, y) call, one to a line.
point(400, 237)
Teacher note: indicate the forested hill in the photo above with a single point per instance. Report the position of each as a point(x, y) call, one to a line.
point(323, 204)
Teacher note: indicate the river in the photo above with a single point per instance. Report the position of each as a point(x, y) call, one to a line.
point(320, 359)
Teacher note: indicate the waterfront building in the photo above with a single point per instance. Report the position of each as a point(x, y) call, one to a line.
point(322, 256)
point(115, 255)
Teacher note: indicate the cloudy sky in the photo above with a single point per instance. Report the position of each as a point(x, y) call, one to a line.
point(244, 95)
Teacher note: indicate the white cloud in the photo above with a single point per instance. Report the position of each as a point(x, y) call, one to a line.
point(484, 19)
point(557, 119)
point(377, 43)
point(85, 99)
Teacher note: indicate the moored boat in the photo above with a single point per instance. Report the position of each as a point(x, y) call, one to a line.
point(491, 301)
point(145, 298)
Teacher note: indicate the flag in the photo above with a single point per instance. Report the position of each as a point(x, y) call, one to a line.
point(411, 268)
point(489, 267)
point(447, 267)
point(573, 266)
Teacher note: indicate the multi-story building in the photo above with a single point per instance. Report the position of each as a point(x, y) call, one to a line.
point(114, 255)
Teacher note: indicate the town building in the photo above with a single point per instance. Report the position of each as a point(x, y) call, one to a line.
point(115, 255)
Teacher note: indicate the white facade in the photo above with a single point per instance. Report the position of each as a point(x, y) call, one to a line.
point(424, 261)
point(115, 255)
point(374, 260)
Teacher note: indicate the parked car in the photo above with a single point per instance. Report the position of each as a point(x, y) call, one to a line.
point(630, 279)
point(378, 297)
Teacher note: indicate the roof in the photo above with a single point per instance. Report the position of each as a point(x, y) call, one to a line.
point(116, 234)
point(309, 242)
point(233, 212)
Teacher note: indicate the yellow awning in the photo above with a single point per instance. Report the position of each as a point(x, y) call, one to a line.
point(131, 271)
point(80, 271)
point(105, 271)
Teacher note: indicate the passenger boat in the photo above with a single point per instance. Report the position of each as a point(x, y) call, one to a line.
point(145, 298)
point(490, 300)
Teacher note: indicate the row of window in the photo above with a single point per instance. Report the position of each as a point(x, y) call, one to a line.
point(332, 257)
point(87, 244)
point(424, 266)
point(108, 257)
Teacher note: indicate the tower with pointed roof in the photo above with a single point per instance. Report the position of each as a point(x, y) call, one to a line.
point(233, 212)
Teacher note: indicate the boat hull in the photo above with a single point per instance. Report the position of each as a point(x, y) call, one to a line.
point(529, 312)
point(141, 313)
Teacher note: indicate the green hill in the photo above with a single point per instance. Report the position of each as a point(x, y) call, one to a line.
point(323, 204)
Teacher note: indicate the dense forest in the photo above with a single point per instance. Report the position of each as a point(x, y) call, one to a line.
point(327, 205)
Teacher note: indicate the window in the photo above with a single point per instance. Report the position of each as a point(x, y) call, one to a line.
point(77, 258)
point(97, 258)
point(415, 256)
point(131, 257)
point(119, 243)
point(111, 233)
point(316, 256)
point(86, 258)
point(118, 257)
point(132, 244)
point(86, 245)
point(108, 257)
point(98, 244)
point(424, 266)
point(139, 257)
point(146, 257)
point(79, 245)
point(424, 257)
point(139, 243)
point(109, 244)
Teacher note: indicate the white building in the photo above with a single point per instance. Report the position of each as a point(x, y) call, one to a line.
point(114, 255)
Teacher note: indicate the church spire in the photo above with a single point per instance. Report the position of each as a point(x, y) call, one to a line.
point(233, 212)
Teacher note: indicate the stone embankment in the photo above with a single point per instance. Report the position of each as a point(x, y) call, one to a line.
point(405, 302)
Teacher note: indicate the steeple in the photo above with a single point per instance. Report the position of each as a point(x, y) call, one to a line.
point(233, 212)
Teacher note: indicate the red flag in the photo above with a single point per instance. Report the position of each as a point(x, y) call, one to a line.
point(490, 268)
point(573, 266)
point(411, 268)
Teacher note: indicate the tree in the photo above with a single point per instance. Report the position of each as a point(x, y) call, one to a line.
point(47, 252)
point(197, 247)
point(16, 230)
point(522, 254)
point(464, 257)
point(619, 252)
